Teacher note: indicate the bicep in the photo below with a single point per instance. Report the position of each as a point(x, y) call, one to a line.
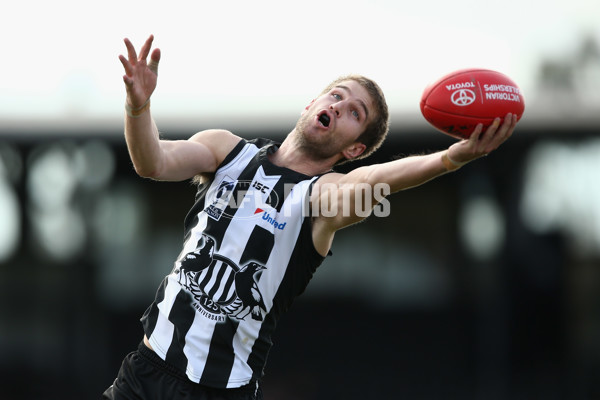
point(202, 153)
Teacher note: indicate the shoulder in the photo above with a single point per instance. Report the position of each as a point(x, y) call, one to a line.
point(216, 138)
point(220, 142)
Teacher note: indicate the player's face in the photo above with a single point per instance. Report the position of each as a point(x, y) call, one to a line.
point(334, 121)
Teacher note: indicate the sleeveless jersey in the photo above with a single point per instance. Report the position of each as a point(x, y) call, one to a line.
point(247, 253)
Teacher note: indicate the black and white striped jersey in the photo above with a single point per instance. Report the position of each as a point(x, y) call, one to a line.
point(247, 253)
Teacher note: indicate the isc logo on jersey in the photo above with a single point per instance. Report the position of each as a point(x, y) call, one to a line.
point(232, 195)
point(266, 216)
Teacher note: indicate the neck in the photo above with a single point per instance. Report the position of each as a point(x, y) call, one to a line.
point(295, 157)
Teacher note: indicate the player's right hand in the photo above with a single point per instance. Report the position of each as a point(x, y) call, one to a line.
point(140, 76)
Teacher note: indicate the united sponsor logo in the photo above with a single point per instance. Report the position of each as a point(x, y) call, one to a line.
point(271, 220)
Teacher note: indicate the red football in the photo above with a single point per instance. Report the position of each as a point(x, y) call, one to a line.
point(457, 102)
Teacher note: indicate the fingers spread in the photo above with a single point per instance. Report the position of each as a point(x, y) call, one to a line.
point(126, 65)
point(146, 48)
point(131, 53)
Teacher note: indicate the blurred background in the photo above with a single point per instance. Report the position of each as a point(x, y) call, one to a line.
point(483, 284)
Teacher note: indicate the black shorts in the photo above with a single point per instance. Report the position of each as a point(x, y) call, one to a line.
point(144, 375)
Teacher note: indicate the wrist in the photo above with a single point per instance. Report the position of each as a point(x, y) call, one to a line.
point(449, 163)
point(138, 111)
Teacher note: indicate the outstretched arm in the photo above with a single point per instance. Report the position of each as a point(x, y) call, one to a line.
point(344, 192)
point(152, 157)
point(413, 171)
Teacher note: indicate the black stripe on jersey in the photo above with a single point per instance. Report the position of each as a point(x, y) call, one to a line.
point(220, 357)
point(182, 316)
point(298, 274)
point(259, 246)
point(258, 357)
point(150, 317)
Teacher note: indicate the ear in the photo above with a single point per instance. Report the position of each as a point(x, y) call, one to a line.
point(307, 107)
point(354, 150)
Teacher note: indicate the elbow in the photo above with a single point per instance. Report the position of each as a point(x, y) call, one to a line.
point(147, 172)
point(373, 176)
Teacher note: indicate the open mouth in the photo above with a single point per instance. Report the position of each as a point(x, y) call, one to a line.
point(324, 120)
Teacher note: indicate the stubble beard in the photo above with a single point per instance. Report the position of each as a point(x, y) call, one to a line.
point(314, 146)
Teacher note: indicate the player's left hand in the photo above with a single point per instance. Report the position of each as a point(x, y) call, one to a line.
point(482, 143)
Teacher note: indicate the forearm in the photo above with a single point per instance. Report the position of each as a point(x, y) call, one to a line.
point(411, 171)
point(414, 171)
point(143, 143)
point(367, 186)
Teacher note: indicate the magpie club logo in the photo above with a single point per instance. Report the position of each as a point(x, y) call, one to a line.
point(220, 288)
